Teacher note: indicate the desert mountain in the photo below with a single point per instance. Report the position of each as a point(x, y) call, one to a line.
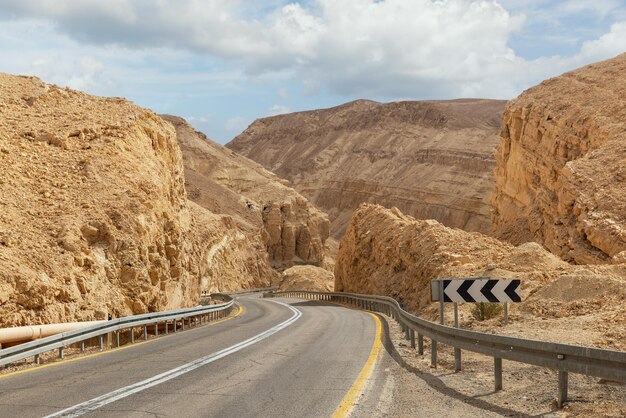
point(561, 165)
point(281, 227)
point(94, 216)
point(559, 181)
point(431, 159)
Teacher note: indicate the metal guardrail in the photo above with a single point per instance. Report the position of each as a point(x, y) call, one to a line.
point(240, 292)
point(565, 358)
point(245, 291)
point(169, 319)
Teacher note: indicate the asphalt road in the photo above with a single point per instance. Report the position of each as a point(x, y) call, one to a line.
point(303, 369)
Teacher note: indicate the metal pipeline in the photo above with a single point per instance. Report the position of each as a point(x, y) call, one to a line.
point(13, 335)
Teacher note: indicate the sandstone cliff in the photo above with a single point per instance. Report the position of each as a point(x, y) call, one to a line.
point(561, 165)
point(281, 227)
point(387, 253)
point(93, 207)
point(431, 159)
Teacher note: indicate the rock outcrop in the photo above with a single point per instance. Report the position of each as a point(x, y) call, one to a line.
point(224, 257)
point(561, 165)
point(93, 209)
point(433, 160)
point(310, 278)
point(387, 253)
point(281, 227)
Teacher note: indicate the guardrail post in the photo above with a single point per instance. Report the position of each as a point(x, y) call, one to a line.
point(497, 370)
point(420, 344)
point(100, 342)
point(82, 346)
point(412, 336)
point(156, 329)
point(457, 351)
point(562, 388)
point(117, 338)
point(182, 324)
point(457, 359)
point(61, 353)
point(433, 354)
point(407, 332)
point(37, 359)
point(145, 332)
point(132, 336)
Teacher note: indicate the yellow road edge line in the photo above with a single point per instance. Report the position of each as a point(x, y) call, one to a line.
point(112, 350)
point(348, 401)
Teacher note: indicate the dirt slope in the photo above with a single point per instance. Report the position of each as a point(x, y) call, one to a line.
point(281, 227)
point(430, 159)
point(561, 165)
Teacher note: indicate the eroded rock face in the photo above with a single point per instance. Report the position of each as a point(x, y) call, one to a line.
point(93, 209)
point(225, 258)
point(309, 278)
point(433, 160)
point(561, 165)
point(281, 226)
point(385, 252)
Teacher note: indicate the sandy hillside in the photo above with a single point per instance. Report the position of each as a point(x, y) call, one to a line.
point(310, 278)
point(280, 225)
point(561, 165)
point(430, 159)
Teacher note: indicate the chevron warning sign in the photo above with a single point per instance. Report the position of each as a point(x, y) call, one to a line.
point(478, 290)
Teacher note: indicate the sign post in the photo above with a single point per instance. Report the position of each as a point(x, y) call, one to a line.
point(473, 289)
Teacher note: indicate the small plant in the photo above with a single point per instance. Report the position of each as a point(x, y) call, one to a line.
point(483, 311)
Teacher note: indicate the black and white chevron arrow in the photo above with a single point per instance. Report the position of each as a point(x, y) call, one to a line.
point(480, 290)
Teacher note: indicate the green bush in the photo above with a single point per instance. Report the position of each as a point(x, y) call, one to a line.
point(483, 311)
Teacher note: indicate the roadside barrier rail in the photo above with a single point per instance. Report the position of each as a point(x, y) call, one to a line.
point(168, 319)
point(565, 358)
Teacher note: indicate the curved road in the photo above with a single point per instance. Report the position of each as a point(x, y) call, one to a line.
point(303, 369)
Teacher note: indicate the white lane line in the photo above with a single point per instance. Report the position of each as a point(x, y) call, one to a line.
point(100, 401)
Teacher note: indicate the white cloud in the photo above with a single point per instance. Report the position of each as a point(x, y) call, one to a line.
point(608, 45)
point(282, 93)
point(277, 110)
point(236, 124)
point(368, 48)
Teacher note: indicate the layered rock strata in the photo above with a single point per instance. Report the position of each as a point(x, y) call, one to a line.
point(561, 165)
point(281, 226)
point(433, 160)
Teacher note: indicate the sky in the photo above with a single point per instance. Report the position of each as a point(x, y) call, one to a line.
point(221, 64)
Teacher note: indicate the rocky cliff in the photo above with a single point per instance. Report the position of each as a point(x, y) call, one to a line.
point(281, 227)
point(561, 165)
point(94, 216)
point(430, 159)
point(385, 252)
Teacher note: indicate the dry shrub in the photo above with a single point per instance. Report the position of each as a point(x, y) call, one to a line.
point(483, 311)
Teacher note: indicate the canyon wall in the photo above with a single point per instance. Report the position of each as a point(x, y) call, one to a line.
point(433, 160)
point(561, 165)
point(281, 227)
point(93, 209)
